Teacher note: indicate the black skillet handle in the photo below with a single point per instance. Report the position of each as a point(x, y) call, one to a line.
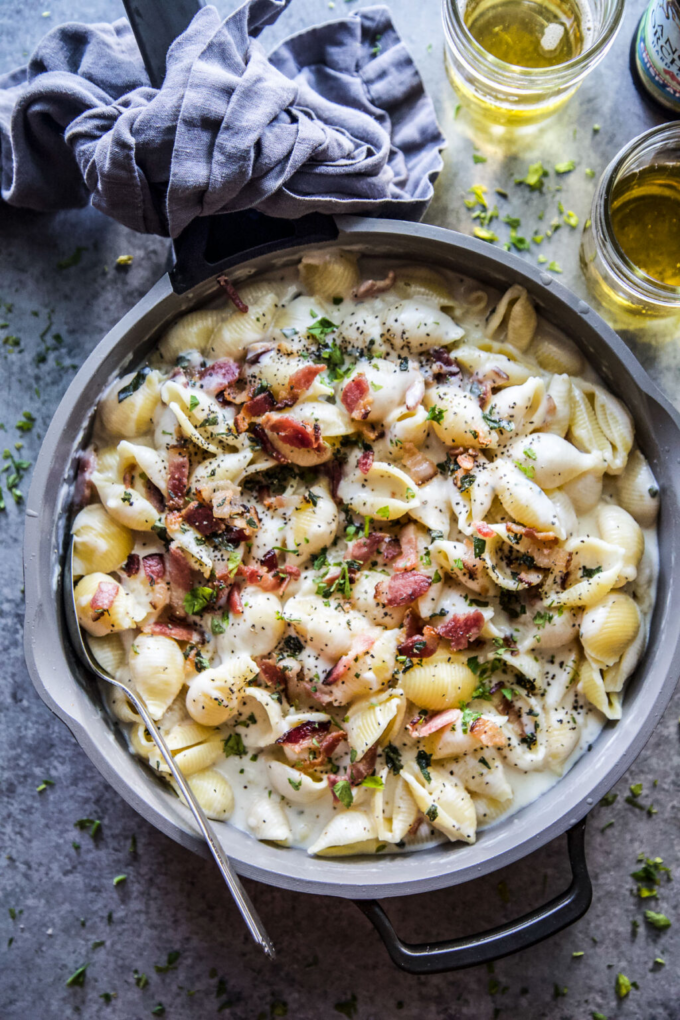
point(456, 954)
point(212, 244)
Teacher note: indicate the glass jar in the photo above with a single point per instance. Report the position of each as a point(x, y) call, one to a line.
point(614, 279)
point(509, 94)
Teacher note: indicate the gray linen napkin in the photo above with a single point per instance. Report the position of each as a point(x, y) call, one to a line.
point(334, 120)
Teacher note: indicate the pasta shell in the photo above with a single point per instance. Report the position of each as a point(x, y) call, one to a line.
point(585, 492)
point(551, 460)
point(591, 686)
point(267, 819)
point(108, 652)
point(444, 800)
point(517, 309)
point(213, 694)
point(141, 741)
point(348, 832)
point(615, 676)
point(299, 315)
point(585, 430)
point(157, 669)
point(326, 629)
point(269, 724)
point(373, 719)
point(487, 810)
point(556, 353)
point(100, 541)
point(194, 759)
point(637, 490)
point(296, 786)
point(385, 492)
point(258, 629)
point(234, 334)
point(617, 425)
point(126, 506)
point(462, 423)
point(394, 808)
point(187, 733)
point(190, 333)
point(438, 685)
point(329, 274)
point(122, 708)
point(609, 628)
point(194, 549)
point(363, 599)
point(595, 567)
point(419, 281)
point(564, 508)
point(415, 326)
point(524, 500)
point(525, 408)
point(132, 416)
point(313, 525)
point(490, 364)
point(227, 467)
point(212, 791)
point(122, 614)
point(482, 772)
point(617, 527)
point(563, 733)
point(404, 426)
point(559, 391)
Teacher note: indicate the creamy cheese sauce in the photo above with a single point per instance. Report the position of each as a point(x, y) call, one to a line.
point(380, 602)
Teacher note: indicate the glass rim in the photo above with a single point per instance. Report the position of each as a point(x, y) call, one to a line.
point(603, 199)
point(535, 76)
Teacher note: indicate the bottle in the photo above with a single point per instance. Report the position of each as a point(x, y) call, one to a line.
point(657, 53)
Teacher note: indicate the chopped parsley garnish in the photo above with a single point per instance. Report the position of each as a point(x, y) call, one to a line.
point(466, 481)
point(163, 968)
point(622, 986)
point(384, 512)
point(658, 921)
point(468, 718)
point(590, 571)
point(197, 599)
point(343, 791)
point(295, 784)
point(393, 759)
point(423, 761)
point(478, 546)
point(234, 745)
point(77, 979)
point(566, 167)
point(485, 235)
point(373, 783)
point(436, 414)
point(534, 177)
point(497, 424)
point(432, 812)
point(526, 469)
point(119, 879)
point(134, 384)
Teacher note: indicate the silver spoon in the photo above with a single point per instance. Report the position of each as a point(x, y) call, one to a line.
point(243, 902)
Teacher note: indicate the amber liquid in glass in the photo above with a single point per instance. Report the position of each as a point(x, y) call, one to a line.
point(645, 218)
point(527, 33)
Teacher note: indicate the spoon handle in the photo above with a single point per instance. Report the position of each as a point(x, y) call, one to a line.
point(243, 901)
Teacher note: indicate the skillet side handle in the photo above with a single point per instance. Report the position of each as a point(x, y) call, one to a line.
point(156, 24)
point(213, 244)
point(457, 954)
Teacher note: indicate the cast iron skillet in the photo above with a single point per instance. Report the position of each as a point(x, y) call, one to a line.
point(212, 246)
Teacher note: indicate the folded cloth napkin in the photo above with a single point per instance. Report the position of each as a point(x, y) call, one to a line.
point(334, 120)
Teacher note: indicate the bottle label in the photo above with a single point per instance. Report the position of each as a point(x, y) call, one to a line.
point(658, 52)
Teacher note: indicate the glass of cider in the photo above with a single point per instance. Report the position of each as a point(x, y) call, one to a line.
point(630, 250)
point(518, 61)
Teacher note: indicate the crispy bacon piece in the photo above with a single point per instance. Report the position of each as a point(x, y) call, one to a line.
point(180, 576)
point(131, 565)
point(232, 293)
point(154, 495)
point(234, 601)
point(488, 733)
point(87, 464)
point(333, 472)
point(301, 435)
point(201, 517)
point(443, 362)
point(462, 628)
point(361, 644)
point(178, 477)
point(365, 462)
point(265, 442)
point(177, 630)
point(420, 646)
point(483, 529)
point(449, 717)
point(542, 547)
point(364, 548)
point(401, 589)
point(358, 771)
point(301, 381)
point(420, 468)
point(356, 397)
point(259, 577)
point(371, 288)
point(270, 560)
point(292, 571)
point(154, 567)
point(217, 377)
point(271, 672)
point(391, 549)
point(260, 405)
point(314, 737)
point(408, 557)
point(104, 597)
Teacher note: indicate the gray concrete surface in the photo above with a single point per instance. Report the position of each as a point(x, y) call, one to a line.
point(59, 907)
